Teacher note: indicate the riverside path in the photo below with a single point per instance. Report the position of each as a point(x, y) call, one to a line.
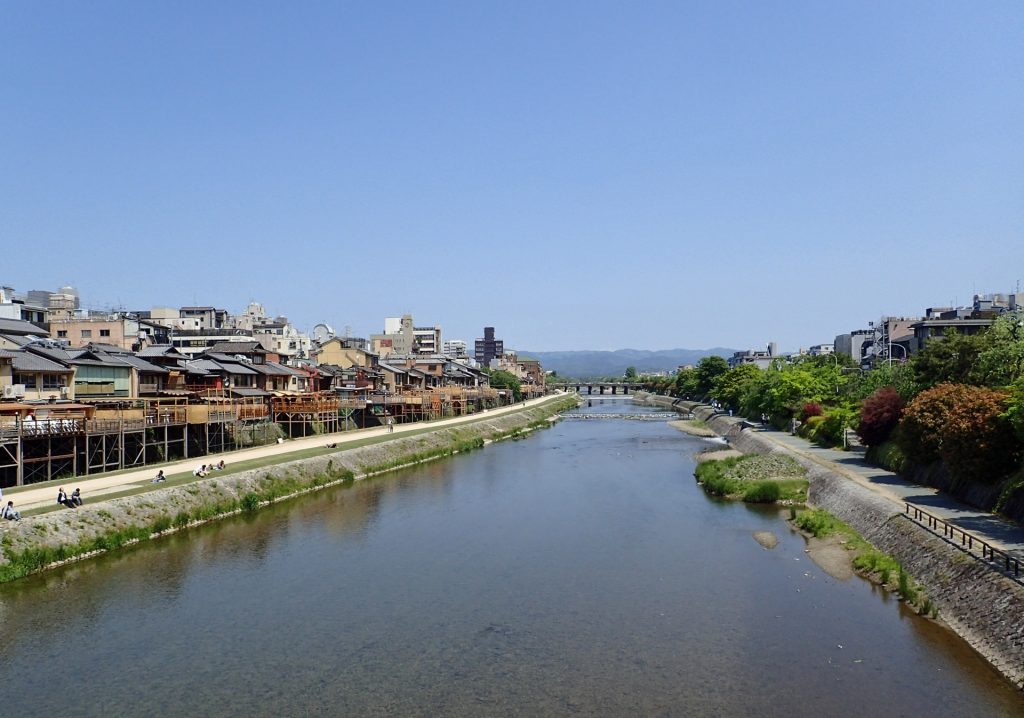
point(995, 530)
point(96, 487)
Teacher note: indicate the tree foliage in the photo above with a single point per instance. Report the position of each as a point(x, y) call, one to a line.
point(951, 359)
point(732, 385)
point(501, 379)
point(879, 415)
point(707, 372)
point(963, 426)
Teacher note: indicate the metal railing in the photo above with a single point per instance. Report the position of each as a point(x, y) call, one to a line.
point(967, 540)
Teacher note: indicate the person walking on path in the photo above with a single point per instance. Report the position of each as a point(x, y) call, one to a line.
point(391, 425)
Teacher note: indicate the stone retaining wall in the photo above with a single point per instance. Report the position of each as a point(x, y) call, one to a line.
point(980, 604)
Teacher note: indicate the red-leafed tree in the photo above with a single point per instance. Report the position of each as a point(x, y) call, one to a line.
point(879, 416)
point(810, 409)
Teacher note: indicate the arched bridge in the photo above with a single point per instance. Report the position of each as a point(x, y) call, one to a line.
point(602, 387)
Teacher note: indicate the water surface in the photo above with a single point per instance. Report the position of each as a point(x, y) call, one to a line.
point(580, 570)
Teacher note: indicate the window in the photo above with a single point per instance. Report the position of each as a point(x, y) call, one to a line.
point(29, 380)
point(54, 381)
point(62, 333)
point(87, 334)
point(104, 332)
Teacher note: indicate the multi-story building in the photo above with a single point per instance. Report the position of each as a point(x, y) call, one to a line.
point(487, 348)
point(402, 337)
point(38, 306)
point(121, 330)
point(762, 359)
point(456, 349)
point(854, 344)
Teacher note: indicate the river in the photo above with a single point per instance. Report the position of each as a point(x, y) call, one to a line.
point(579, 570)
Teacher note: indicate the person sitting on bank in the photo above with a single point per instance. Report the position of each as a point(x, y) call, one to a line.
point(9, 513)
point(200, 472)
point(62, 498)
point(76, 497)
point(220, 466)
point(159, 477)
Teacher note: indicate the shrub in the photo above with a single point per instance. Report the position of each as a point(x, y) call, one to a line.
point(879, 416)
point(810, 409)
point(889, 456)
point(762, 492)
point(811, 427)
point(964, 426)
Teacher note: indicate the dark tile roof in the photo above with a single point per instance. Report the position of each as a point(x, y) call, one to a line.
point(249, 347)
point(160, 350)
point(28, 362)
point(141, 364)
point(18, 326)
point(246, 391)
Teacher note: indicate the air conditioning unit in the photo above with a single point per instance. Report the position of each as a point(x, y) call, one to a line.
point(63, 392)
point(19, 390)
point(8, 392)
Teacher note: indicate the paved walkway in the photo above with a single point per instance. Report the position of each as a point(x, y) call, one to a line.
point(995, 530)
point(94, 487)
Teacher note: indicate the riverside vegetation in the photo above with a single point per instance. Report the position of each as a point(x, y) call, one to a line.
point(871, 563)
point(776, 478)
point(757, 479)
point(49, 539)
point(952, 416)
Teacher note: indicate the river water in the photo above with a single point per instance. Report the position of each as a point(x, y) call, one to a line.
point(580, 570)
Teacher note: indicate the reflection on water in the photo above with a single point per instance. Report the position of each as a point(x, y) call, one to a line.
point(579, 570)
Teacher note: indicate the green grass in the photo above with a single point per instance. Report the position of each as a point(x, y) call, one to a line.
point(745, 478)
point(868, 560)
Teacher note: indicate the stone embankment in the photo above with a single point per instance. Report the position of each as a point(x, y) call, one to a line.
point(982, 605)
point(47, 540)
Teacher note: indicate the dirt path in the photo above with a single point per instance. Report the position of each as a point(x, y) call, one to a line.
point(93, 487)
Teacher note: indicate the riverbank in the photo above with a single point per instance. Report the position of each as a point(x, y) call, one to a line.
point(979, 603)
point(47, 540)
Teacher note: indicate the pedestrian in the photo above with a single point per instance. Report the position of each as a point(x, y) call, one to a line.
point(9, 513)
point(391, 425)
point(159, 477)
point(76, 497)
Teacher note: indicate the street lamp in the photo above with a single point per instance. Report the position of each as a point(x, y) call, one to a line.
point(891, 345)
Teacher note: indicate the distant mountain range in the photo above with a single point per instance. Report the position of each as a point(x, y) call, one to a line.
point(590, 364)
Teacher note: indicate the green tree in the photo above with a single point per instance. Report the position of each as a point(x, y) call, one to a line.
point(731, 386)
point(501, 379)
point(631, 374)
point(953, 358)
point(1001, 359)
point(707, 372)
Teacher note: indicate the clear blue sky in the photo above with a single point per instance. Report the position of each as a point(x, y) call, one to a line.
point(580, 175)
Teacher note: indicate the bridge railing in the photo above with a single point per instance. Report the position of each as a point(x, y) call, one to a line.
point(967, 540)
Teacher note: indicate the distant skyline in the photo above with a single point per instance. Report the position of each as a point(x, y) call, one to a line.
point(578, 175)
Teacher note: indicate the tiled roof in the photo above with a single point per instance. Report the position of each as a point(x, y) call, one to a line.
point(247, 347)
point(18, 326)
point(141, 364)
point(27, 362)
